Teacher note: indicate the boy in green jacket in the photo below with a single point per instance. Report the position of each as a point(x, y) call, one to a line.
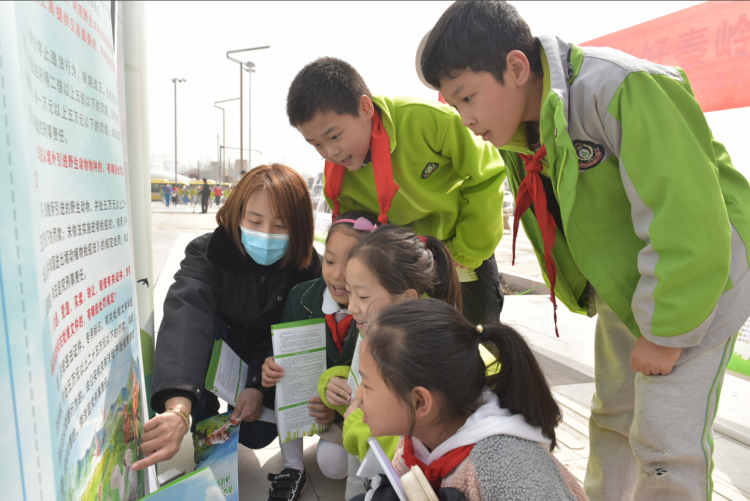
point(412, 162)
point(638, 212)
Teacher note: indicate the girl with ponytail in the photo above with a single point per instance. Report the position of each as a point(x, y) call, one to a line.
point(487, 436)
point(390, 265)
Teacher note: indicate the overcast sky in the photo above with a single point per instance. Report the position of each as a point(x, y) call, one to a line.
point(190, 40)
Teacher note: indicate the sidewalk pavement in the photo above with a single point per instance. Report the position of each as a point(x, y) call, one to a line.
point(568, 363)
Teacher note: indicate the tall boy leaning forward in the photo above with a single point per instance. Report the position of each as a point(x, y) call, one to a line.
point(411, 161)
point(637, 212)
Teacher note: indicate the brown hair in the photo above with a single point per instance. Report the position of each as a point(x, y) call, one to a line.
point(403, 260)
point(290, 201)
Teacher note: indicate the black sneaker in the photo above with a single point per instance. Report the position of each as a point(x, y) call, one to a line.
point(288, 485)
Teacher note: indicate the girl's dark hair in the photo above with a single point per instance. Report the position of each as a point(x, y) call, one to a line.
point(477, 35)
point(427, 343)
point(402, 260)
point(349, 227)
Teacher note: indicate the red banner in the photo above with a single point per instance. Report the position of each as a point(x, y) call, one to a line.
point(710, 41)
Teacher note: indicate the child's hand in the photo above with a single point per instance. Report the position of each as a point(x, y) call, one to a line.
point(271, 373)
point(318, 410)
point(352, 408)
point(650, 359)
point(338, 391)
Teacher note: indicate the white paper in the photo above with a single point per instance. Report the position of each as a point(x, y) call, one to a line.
point(376, 454)
point(231, 376)
point(355, 378)
point(301, 351)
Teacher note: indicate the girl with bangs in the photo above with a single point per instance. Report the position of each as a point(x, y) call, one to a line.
point(325, 297)
point(232, 284)
point(390, 265)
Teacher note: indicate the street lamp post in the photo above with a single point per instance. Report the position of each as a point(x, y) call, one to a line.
point(223, 134)
point(241, 87)
point(249, 68)
point(175, 81)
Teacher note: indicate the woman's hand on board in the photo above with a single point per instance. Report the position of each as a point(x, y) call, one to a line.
point(249, 405)
point(338, 391)
point(162, 435)
point(271, 373)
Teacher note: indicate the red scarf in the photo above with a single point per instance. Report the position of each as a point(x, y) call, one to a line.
point(440, 468)
point(382, 168)
point(532, 191)
point(339, 330)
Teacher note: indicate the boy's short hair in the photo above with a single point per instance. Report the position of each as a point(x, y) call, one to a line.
point(326, 84)
point(477, 35)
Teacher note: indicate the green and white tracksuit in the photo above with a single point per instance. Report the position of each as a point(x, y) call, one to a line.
point(656, 219)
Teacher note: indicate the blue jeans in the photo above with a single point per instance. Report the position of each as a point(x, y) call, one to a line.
point(253, 435)
point(167, 198)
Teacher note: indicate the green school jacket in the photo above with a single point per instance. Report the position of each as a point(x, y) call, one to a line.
point(655, 215)
point(450, 181)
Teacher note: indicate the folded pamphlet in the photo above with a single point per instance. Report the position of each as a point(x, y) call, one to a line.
point(300, 349)
point(215, 477)
point(412, 486)
point(227, 373)
point(466, 274)
point(355, 378)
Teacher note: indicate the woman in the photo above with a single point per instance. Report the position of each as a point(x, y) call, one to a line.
point(232, 284)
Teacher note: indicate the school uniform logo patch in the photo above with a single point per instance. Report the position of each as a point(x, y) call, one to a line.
point(429, 169)
point(589, 154)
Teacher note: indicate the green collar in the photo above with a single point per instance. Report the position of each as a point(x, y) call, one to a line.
point(520, 141)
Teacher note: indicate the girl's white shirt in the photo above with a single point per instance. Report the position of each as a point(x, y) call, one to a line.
point(488, 420)
point(331, 307)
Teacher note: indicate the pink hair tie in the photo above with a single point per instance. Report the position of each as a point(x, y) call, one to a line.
point(423, 239)
point(361, 224)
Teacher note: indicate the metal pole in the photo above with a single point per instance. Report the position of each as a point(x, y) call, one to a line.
point(175, 130)
point(241, 86)
point(249, 68)
point(241, 124)
point(176, 81)
point(222, 159)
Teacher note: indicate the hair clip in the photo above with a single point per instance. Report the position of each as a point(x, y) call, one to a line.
point(423, 239)
point(482, 336)
point(361, 224)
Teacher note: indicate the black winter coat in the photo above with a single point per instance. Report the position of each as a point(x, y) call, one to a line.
point(215, 278)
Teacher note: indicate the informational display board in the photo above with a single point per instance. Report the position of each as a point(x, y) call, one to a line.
point(70, 358)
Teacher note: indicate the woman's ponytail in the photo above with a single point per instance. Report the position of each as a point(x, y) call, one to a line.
point(446, 286)
point(520, 384)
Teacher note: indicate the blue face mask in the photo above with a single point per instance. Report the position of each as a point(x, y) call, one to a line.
point(265, 249)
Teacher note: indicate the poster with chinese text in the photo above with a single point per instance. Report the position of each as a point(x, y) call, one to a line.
point(71, 348)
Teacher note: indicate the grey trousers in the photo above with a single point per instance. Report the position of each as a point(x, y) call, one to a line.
point(651, 436)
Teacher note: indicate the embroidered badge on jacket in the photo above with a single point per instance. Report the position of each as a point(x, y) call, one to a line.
point(429, 169)
point(589, 154)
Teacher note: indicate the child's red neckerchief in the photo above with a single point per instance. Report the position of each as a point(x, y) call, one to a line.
point(382, 169)
point(531, 191)
point(339, 330)
point(440, 468)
